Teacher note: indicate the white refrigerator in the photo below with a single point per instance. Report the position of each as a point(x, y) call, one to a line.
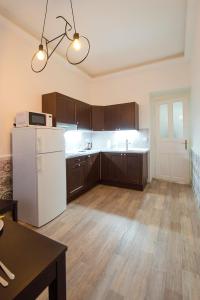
point(39, 173)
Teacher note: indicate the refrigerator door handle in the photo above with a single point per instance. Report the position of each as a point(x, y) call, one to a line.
point(39, 163)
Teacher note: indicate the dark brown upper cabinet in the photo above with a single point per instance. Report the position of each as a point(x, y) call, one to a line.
point(97, 118)
point(83, 115)
point(129, 115)
point(60, 106)
point(122, 116)
point(112, 117)
point(67, 110)
point(70, 111)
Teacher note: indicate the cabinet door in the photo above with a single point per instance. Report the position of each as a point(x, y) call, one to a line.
point(112, 117)
point(97, 118)
point(106, 167)
point(75, 178)
point(49, 105)
point(118, 167)
point(83, 115)
point(65, 109)
point(128, 116)
point(93, 170)
point(121, 116)
point(60, 106)
point(134, 168)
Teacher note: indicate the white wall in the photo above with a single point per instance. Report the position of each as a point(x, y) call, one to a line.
point(195, 74)
point(20, 88)
point(195, 107)
point(136, 85)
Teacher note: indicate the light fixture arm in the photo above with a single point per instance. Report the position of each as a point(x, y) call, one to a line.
point(66, 30)
point(47, 53)
point(60, 37)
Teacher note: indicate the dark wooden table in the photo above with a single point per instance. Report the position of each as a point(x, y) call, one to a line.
point(9, 205)
point(37, 262)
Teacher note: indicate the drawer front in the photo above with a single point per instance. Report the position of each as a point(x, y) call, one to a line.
point(76, 160)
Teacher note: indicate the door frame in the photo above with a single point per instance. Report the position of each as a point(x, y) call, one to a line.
point(154, 98)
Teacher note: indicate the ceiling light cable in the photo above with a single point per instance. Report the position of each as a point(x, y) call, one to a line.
point(73, 16)
point(44, 23)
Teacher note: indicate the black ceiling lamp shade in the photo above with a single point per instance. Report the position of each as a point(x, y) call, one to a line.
point(77, 51)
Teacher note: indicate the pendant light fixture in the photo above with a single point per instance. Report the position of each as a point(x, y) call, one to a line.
point(77, 51)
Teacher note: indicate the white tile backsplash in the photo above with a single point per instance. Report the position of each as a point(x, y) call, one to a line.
point(76, 140)
point(117, 139)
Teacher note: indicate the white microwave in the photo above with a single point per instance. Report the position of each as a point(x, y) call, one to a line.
point(27, 118)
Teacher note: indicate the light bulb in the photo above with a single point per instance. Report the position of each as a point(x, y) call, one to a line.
point(41, 55)
point(77, 44)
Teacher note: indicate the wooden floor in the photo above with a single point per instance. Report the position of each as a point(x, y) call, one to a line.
point(125, 244)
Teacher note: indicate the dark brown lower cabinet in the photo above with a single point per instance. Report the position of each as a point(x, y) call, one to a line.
point(105, 166)
point(134, 172)
point(75, 168)
point(125, 169)
point(82, 174)
point(119, 169)
point(92, 171)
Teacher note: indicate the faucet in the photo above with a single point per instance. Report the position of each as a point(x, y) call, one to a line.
point(89, 146)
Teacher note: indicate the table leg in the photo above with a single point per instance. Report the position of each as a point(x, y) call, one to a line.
point(14, 212)
point(57, 289)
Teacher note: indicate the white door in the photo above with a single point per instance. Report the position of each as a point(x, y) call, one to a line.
point(172, 137)
point(51, 186)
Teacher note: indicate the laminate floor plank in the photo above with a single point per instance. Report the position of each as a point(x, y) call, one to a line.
point(130, 245)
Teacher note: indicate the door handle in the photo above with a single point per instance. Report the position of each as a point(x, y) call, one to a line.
point(186, 144)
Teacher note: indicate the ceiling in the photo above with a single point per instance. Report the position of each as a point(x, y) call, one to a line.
point(123, 34)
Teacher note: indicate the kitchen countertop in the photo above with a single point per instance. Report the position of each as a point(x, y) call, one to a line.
point(88, 152)
point(81, 153)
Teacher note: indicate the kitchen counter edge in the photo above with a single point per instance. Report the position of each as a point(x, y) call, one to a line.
point(137, 151)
